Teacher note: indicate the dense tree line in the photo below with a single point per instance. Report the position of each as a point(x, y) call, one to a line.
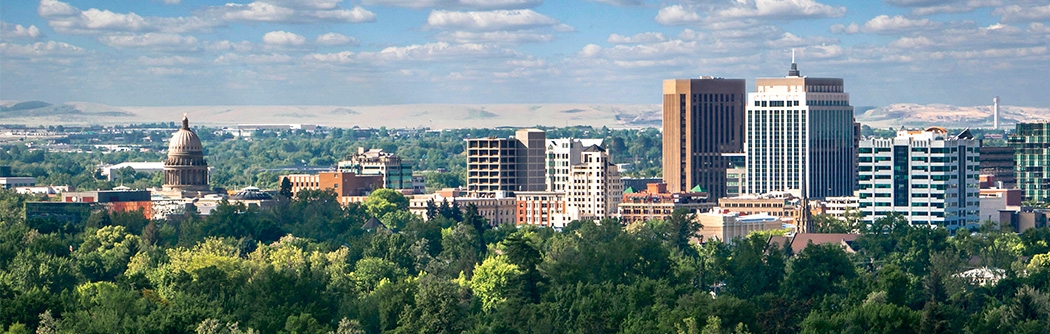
point(260, 161)
point(309, 265)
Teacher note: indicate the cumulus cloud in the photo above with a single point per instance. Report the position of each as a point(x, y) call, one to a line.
point(345, 57)
point(65, 18)
point(743, 13)
point(334, 39)
point(224, 46)
point(283, 38)
point(272, 58)
point(152, 41)
point(931, 7)
point(40, 50)
point(490, 20)
point(262, 11)
point(677, 15)
point(840, 28)
point(885, 24)
point(10, 31)
point(166, 61)
point(511, 37)
point(457, 4)
point(646, 37)
point(437, 51)
point(1016, 13)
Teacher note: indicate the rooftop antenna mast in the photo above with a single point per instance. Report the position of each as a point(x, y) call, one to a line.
point(794, 68)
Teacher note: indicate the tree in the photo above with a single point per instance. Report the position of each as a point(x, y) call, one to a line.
point(384, 201)
point(818, 270)
point(495, 281)
point(286, 188)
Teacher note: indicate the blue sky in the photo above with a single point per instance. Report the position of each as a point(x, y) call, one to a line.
point(369, 52)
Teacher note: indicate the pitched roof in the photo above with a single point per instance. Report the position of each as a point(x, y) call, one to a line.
point(372, 224)
point(801, 240)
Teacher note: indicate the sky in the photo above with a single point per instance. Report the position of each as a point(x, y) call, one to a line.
point(379, 52)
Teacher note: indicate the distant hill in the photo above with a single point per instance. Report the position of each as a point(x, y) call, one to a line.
point(40, 112)
point(444, 116)
point(949, 116)
point(25, 106)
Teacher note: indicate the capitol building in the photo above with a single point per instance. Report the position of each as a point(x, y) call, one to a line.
point(185, 170)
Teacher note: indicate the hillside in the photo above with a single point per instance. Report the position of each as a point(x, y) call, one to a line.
point(918, 115)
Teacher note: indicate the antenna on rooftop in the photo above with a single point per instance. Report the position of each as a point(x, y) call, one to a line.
point(794, 68)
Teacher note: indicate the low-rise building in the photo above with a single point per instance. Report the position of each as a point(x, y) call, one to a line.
point(655, 202)
point(543, 208)
point(498, 208)
point(777, 204)
point(396, 173)
point(139, 167)
point(727, 226)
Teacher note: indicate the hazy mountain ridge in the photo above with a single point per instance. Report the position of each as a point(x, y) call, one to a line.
point(441, 116)
point(918, 115)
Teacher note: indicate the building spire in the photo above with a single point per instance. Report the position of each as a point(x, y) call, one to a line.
point(185, 122)
point(794, 67)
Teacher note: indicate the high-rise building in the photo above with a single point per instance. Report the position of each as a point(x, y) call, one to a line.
point(928, 176)
point(397, 174)
point(506, 164)
point(800, 137)
point(998, 162)
point(562, 153)
point(1031, 143)
point(702, 118)
point(595, 188)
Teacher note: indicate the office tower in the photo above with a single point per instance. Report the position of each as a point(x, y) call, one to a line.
point(506, 164)
point(800, 137)
point(702, 118)
point(1031, 143)
point(595, 189)
point(928, 176)
point(562, 153)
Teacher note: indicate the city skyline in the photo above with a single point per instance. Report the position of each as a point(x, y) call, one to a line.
point(371, 52)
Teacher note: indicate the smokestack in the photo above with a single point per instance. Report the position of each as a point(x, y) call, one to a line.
point(995, 113)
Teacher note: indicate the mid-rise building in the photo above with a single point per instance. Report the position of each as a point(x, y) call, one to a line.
point(507, 164)
point(800, 137)
point(595, 188)
point(9, 181)
point(702, 119)
point(998, 162)
point(1031, 143)
point(396, 173)
point(561, 154)
point(928, 176)
point(345, 184)
point(656, 202)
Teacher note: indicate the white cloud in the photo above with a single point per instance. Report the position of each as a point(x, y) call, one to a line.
point(1016, 13)
point(500, 37)
point(912, 42)
point(916, 3)
point(166, 61)
point(334, 39)
point(646, 37)
point(885, 24)
point(345, 57)
point(840, 28)
point(780, 9)
point(283, 38)
point(260, 11)
point(457, 4)
point(153, 41)
point(224, 46)
point(490, 20)
point(273, 58)
point(40, 49)
point(744, 13)
point(951, 6)
point(171, 2)
point(17, 31)
point(677, 15)
point(438, 51)
point(590, 50)
point(65, 18)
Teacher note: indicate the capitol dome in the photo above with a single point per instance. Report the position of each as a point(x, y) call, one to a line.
point(185, 169)
point(185, 140)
